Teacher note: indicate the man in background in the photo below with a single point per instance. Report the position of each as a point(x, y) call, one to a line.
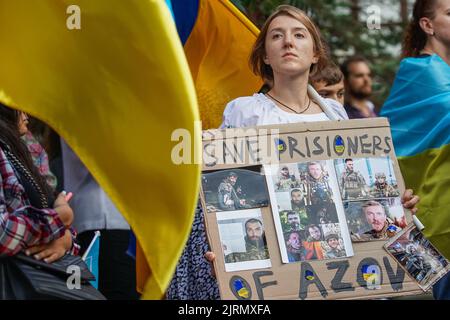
point(358, 88)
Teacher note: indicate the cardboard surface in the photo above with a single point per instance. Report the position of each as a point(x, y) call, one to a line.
point(340, 278)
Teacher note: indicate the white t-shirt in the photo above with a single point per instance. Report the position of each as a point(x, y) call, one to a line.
point(259, 110)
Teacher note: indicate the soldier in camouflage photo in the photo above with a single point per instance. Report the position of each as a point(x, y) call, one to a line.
point(255, 243)
point(352, 182)
point(286, 180)
point(381, 188)
point(381, 226)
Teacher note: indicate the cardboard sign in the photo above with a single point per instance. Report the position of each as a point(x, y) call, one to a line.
point(302, 211)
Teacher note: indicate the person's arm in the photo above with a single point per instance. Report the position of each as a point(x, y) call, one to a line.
point(26, 227)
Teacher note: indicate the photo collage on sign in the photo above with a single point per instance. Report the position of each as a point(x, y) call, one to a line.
point(308, 215)
point(236, 197)
point(371, 198)
point(421, 260)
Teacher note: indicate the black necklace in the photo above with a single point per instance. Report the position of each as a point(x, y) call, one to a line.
point(284, 105)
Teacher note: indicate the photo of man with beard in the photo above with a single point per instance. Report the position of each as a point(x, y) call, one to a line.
point(294, 248)
point(255, 243)
point(358, 88)
point(382, 227)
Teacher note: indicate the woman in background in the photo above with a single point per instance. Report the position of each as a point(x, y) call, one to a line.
point(418, 109)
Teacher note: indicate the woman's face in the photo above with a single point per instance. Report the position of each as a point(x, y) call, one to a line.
point(289, 47)
point(441, 23)
point(23, 123)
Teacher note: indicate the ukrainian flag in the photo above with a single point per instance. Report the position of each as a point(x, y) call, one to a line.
point(111, 77)
point(418, 109)
point(217, 40)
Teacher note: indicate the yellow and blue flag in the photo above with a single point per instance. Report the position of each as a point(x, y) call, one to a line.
point(418, 109)
point(91, 256)
point(111, 77)
point(217, 40)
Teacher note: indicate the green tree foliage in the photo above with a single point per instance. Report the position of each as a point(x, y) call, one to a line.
point(343, 24)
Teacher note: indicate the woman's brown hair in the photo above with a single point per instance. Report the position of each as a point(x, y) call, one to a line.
point(415, 38)
point(258, 53)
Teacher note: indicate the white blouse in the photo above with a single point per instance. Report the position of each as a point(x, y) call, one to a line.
point(259, 110)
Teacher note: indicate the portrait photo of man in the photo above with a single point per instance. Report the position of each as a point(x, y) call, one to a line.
point(286, 180)
point(298, 206)
point(334, 249)
point(380, 225)
point(255, 243)
point(294, 248)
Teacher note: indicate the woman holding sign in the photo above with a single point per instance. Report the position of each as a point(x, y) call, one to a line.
point(287, 51)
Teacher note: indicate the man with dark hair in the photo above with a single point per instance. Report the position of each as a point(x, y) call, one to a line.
point(334, 251)
point(293, 221)
point(286, 180)
point(298, 206)
point(255, 243)
point(317, 186)
point(227, 196)
point(329, 82)
point(294, 248)
point(358, 88)
point(319, 198)
point(352, 182)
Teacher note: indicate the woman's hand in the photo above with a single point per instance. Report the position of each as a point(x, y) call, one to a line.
point(52, 251)
point(63, 209)
point(210, 256)
point(409, 201)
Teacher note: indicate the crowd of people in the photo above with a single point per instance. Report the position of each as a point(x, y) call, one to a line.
point(304, 85)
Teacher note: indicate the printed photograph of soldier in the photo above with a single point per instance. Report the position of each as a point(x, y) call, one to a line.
point(314, 243)
point(294, 201)
point(294, 247)
point(333, 245)
point(287, 178)
point(316, 184)
point(300, 212)
point(374, 219)
point(237, 189)
point(382, 189)
point(292, 221)
point(243, 240)
point(418, 257)
point(366, 178)
point(352, 183)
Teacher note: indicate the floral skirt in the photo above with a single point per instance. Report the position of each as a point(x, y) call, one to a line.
point(192, 279)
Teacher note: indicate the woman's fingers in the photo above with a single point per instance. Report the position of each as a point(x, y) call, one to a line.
point(44, 254)
point(407, 195)
point(36, 249)
point(210, 256)
point(412, 203)
point(55, 256)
